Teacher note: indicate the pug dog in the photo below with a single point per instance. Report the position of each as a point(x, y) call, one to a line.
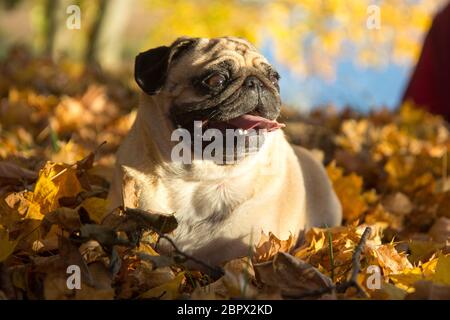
point(222, 207)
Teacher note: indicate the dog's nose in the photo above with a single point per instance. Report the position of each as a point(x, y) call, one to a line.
point(253, 82)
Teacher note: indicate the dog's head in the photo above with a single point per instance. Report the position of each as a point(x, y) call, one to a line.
point(223, 82)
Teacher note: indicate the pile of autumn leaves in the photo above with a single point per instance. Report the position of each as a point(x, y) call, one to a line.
point(389, 170)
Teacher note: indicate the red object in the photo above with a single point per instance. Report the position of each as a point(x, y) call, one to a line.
point(429, 86)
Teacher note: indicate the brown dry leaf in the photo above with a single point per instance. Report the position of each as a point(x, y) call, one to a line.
point(291, 275)
point(387, 258)
point(237, 282)
point(15, 218)
point(270, 245)
point(11, 173)
point(13, 208)
point(238, 278)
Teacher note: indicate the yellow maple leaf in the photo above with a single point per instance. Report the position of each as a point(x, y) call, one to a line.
point(349, 190)
point(55, 180)
point(427, 271)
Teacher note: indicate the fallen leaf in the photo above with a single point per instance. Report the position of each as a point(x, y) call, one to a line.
point(291, 275)
point(55, 180)
point(11, 173)
point(270, 245)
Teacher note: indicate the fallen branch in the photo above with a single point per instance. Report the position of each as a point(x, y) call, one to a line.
point(139, 220)
point(352, 282)
point(356, 265)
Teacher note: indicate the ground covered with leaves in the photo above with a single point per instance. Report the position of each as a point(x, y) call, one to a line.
point(389, 170)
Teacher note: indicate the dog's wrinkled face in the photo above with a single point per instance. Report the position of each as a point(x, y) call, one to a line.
point(224, 83)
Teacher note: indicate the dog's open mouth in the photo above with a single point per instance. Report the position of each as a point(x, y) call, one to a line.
point(229, 141)
point(244, 122)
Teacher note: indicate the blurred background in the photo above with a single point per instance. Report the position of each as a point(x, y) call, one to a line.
point(67, 87)
point(329, 52)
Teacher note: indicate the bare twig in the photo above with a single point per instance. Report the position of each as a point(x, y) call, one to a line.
point(356, 265)
point(352, 282)
point(215, 271)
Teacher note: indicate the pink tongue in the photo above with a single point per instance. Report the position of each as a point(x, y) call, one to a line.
point(249, 121)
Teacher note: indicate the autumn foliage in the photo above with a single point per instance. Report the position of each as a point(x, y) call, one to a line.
point(389, 170)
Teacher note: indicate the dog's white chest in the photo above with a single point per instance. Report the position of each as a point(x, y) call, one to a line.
point(205, 202)
point(206, 211)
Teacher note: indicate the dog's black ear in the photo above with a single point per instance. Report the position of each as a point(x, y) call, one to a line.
point(150, 68)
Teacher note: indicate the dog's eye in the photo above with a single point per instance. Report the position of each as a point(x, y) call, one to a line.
point(274, 77)
point(215, 81)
